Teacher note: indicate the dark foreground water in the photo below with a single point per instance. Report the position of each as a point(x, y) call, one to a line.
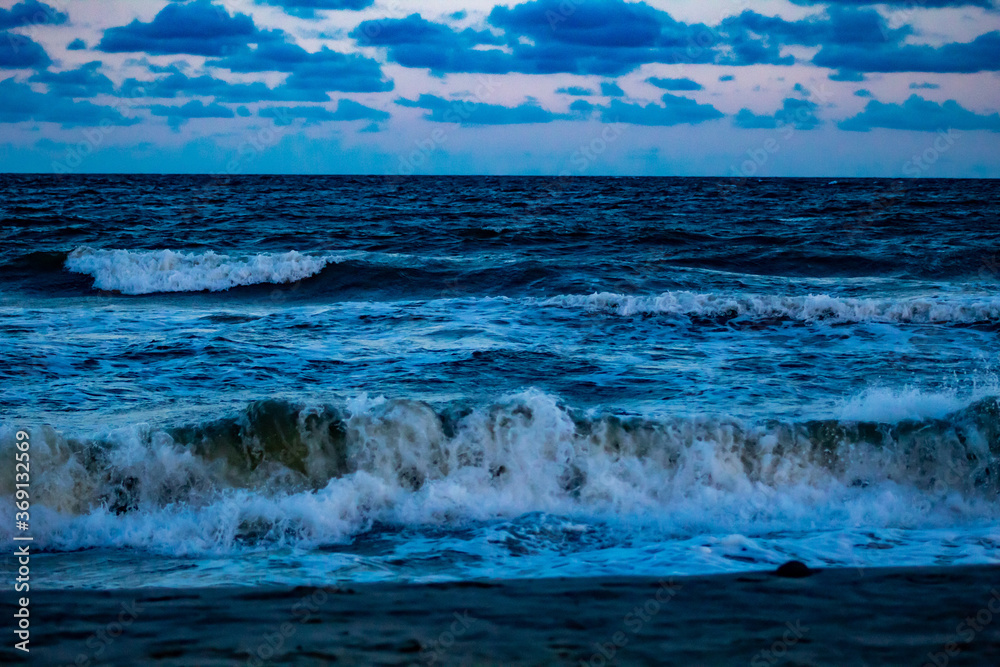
point(302, 379)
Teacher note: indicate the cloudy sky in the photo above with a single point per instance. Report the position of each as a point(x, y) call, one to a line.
point(592, 87)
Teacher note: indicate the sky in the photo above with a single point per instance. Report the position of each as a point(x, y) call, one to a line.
point(745, 88)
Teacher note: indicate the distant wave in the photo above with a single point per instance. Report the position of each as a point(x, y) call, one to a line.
point(287, 474)
point(153, 271)
point(811, 308)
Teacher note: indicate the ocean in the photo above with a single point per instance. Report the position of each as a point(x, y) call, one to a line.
point(271, 380)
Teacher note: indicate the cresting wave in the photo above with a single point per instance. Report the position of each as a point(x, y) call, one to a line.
point(153, 271)
point(280, 474)
point(811, 308)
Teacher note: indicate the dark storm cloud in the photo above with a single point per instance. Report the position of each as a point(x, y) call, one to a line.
point(19, 103)
point(800, 114)
point(196, 28)
point(84, 81)
point(308, 8)
point(347, 110)
point(28, 13)
point(20, 52)
point(441, 110)
point(675, 111)
point(981, 54)
point(323, 70)
point(674, 84)
point(919, 114)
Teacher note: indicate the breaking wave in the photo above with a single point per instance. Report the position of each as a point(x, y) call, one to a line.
point(283, 474)
point(818, 307)
point(153, 271)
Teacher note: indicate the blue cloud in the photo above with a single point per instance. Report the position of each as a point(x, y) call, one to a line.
point(178, 115)
point(674, 84)
point(464, 112)
point(180, 84)
point(308, 8)
point(922, 115)
point(19, 103)
point(29, 13)
point(675, 111)
point(347, 110)
point(930, 4)
point(611, 89)
point(604, 37)
point(800, 114)
point(981, 54)
point(84, 81)
point(323, 70)
point(20, 52)
point(196, 28)
point(76, 45)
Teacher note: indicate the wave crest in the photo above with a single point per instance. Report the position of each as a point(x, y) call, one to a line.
point(152, 271)
point(280, 473)
point(811, 308)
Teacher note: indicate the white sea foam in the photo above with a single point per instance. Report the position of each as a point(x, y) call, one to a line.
point(311, 477)
point(811, 308)
point(152, 271)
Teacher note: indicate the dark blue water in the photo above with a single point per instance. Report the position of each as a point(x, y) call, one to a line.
point(287, 379)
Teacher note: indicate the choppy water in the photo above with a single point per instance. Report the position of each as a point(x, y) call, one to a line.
point(298, 379)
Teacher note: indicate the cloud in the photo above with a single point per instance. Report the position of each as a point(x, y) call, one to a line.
point(324, 70)
point(178, 115)
point(674, 84)
point(19, 103)
point(929, 86)
point(603, 37)
point(308, 8)
point(20, 52)
point(196, 28)
point(464, 112)
point(611, 89)
point(726, 77)
point(800, 114)
point(29, 13)
point(921, 115)
point(84, 81)
point(675, 110)
point(347, 110)
point(575, 90)
point(180, 84)
point(929, 4)
point(76, 45)
point(981, 54)
point(863, 92)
